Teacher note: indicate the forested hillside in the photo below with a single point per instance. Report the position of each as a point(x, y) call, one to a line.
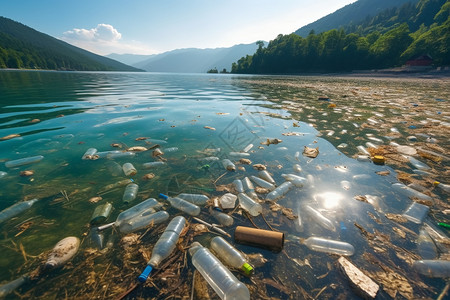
point(386, 40)
point(22, 47)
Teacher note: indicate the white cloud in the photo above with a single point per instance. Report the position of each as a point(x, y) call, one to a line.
point(104, 39)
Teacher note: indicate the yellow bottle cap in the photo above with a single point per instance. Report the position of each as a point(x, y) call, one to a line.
point(436, 183)
point(248, 269)
point(378, 159)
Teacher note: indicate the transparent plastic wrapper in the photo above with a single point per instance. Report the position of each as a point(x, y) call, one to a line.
point(228, 200)
point(249, 205)
point(182, 205)
point(426, 246)
point(433, 268)
point(130, 193)
point(63, 251)
point(153, 164)
point(197, 199)
point(319, 218)
point(140, 222)
point(407, 191)
point(296, 180)
point(164, 246)
point(329, 246)
point(266, 176)
point(262, 183)
point(129, 169)
point(23, 161)
point(416, 212)
point(89, 154)
point(280, 191)
point(224, 283)
point(16, 209)
point(230, 255)
point(222, 218)
point(147, 206)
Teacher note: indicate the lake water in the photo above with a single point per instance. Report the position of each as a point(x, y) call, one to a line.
point(60, 115)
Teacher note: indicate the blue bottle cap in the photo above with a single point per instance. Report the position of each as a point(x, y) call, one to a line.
point(163, 196)
point(143, 277)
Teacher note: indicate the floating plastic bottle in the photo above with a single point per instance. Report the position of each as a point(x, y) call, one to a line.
point(171, 149)
point(11, 286)
point(319, 218)
point(183, 205)
point(101, 213)
point(130, 193)
point(418, 164)
point(416, 212)
point(407, 191)
point(248, 204)
point(15, 209)
point(146, 207)
point(23, 161)
point(153, 164)
point(239, 154)
point(197, 199)
point(224, 283)
point(89, 154)
point(247, 148)
point(209, 159)
point(280, 191)
point(96, 237)
point(230, 255)
point(164, 246)
point(444, 187)
point(266, 176)
point(425, 245)
point(363, 150)
point(222, 218)
point(297, 168)
point(63, 251)
point(129, 169)
point(262, 183)
point(433, 268)
point(140, 222)
point(249, 189)
point(296, 180)
point(329, 246)
point(228, 165)
point(115, 185)
point(114, 168)
point(238, 185)
point(120, 154)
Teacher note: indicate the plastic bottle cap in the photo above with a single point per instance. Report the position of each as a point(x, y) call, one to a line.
point(248, 269)
point(163, 196)
point(378, 160)
point(436, 183)
point(143, 277)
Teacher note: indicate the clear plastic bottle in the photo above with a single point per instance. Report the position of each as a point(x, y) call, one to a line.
point(266, 176)
point(153, 164)
point(148, 206)
point(224, 283)
point(238, 185)
point(319, 218)
point(129, 169)
point(442, 186)
point(248, 204)
point(297, 168)
point(329, 246)
point(114, 168)
point(363, 150)
point(407, 191)
point(130, 193)
point(228, 165)
point(183, 205)
point(101, 213)
point(280, 191)
point(433, 268)
point(197, 199)
point(89, 154)
point(222, 218)
point(426, 246)
point(140, 222)
point(15, 209)
point(120, 154)
point(11, 286)
point(296, 180)
point(23, 161)
point(262, 183)
point(249, 189)
point(239, 154)
point(164, 246)
point(114, 185)
point(416, 212)
point(230, 255)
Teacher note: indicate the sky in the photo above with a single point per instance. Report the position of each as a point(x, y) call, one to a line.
point(156, 26)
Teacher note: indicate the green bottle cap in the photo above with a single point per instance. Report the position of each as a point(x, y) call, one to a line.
point(442, 224)
point(248, 270)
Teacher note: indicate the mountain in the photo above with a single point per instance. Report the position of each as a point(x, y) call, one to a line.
point(191, 60)
point(390, 39)
point(350, 14)
point(25, 48)
point(129, 59)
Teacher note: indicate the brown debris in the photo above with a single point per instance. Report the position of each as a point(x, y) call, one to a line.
point(259, 167)
point(245, 161)
point(311, 152)
point(8, 137)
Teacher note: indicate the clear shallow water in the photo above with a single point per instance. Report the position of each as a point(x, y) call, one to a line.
point(77, 111)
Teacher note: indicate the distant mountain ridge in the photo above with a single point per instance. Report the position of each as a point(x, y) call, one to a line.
point(351, 13)
point(189, 60)
point(22, 47)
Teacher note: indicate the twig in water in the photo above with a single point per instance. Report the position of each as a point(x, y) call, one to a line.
point(193, 286)
point(271, 228)
point(248, 216)
point(321, 291)
point(215, 181)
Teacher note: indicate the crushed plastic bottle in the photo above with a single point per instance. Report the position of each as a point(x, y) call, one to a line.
point(197, 199)
point(142, 221)
point(228, 200)
point(329, 246)
point(164, 246)
point(90, 154)
point(130, 193)
point(15, 209)
point(224, 283)
point(63, 251)
point(280, 191)
point(230, 255)
point(249, 205)
point(183, 205)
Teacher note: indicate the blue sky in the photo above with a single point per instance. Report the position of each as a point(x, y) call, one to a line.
point(155, 26)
